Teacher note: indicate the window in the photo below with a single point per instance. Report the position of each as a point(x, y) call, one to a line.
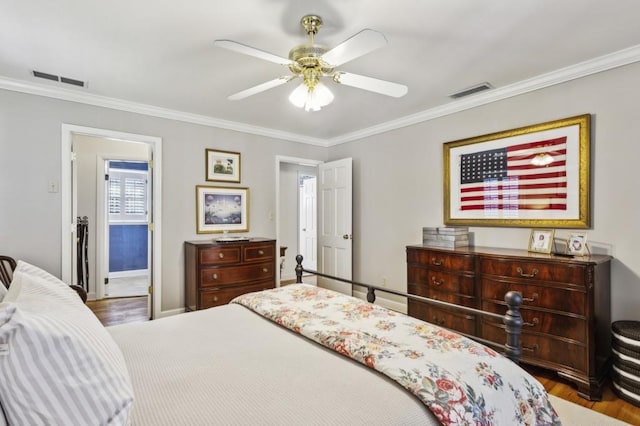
point(127, 195)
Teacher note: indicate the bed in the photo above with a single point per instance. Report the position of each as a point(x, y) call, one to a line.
point(292, 355)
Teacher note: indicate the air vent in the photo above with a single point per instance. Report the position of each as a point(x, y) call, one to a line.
point(471, 90)
point(53, 77)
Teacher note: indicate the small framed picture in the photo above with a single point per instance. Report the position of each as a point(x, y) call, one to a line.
point(221, 209)
point(222, 166)
point(577, 243)
point(541, 240)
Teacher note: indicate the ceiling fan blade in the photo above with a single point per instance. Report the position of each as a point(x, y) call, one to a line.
point(358, 45)
point(372, 84)
point(252, 51)
point(261, 87)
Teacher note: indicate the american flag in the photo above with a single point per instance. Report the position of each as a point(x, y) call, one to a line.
point(528, 176)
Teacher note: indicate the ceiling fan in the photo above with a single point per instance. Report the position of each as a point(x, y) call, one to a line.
point(311, 62)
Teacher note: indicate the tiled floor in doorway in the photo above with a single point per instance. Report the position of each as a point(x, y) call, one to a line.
point(127, 286)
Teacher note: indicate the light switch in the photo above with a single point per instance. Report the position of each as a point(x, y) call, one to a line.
point(53, 186)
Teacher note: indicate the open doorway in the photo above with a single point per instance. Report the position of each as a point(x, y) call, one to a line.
point(77, 174)
point(126, 206)
point(296, 214)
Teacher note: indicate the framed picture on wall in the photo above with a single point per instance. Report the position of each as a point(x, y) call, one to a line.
point(222, 166)
point(535, 176)
point(221, 209)
point(541, 240)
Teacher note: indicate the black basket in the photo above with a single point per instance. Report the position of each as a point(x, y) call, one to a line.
point(626, 360)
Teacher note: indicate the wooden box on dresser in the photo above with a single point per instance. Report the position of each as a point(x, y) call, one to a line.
point(215, 272)
point(566, 309)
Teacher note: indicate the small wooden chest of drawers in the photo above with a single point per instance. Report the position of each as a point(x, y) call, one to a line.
point(215, 273)
point(566, 304)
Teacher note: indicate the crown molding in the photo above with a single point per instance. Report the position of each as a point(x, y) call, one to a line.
point(582, 69)
point(150, 110)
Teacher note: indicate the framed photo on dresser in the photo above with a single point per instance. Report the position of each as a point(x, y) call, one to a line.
point(541, 240)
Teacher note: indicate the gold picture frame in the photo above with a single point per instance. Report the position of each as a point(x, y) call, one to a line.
point(577, 243)
point(541, 240)
point(222, 166)
point(221, 209)
point(535, 176)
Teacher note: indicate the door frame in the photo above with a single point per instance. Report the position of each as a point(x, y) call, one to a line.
point(292, 160)
point(69, 196)
point(102, 219)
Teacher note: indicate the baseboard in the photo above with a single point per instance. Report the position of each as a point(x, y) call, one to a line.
point(387, 303)
point(170, 312)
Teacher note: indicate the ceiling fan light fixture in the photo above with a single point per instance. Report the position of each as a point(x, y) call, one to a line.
point(311, 98)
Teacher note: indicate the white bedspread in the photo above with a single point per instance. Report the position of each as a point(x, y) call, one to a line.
point(227, 365)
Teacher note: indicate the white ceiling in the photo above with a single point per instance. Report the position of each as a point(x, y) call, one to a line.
point(158, 57)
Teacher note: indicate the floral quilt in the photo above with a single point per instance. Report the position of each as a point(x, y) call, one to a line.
point(459, 380)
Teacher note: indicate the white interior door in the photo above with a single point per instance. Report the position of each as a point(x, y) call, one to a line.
point(308, 221)
point(335, 238)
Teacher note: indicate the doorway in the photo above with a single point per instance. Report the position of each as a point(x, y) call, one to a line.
point(126, 207)
point(77, 138)
point(333, 216)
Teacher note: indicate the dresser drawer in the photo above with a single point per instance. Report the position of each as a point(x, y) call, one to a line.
point(221, 255)
point(445, 318)
point(222, 296)
point(537, 296)
point(443, 296)
point(259, 253)
point(540, 347)
point(230, 275)
point(442, 260)
point(548, 271)
point(536, 321)
point(440, 280)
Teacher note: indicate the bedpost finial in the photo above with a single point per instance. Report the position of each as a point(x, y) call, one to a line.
point(299, 269)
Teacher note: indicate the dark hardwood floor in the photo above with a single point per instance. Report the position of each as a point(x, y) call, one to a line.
point(133, 309)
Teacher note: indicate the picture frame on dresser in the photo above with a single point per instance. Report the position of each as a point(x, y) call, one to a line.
point(222, 166)
point(535, 176)
point(577, 243)
point(541, 240)
point(222, 209)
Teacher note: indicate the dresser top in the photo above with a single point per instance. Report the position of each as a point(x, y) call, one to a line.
point(213, 241)
point(497, 251)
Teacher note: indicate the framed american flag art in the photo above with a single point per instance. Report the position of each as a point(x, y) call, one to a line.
point(535, 176)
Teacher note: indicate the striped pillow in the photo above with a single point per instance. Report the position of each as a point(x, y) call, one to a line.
point(58, 364)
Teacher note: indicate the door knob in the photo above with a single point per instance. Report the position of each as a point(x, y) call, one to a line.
point(347, 236)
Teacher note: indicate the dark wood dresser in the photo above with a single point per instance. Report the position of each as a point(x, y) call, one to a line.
point(215, 272)
point(566, 308)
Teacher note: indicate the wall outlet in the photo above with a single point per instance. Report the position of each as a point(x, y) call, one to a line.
point(384, 282)
point(53, 186)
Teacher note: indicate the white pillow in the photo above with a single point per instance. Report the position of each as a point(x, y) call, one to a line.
point(58, 364)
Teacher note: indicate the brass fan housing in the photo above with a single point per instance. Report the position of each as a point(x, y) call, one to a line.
point(308, 56)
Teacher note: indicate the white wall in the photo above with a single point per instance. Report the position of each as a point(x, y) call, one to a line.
point(30, 143)
point(398, 179)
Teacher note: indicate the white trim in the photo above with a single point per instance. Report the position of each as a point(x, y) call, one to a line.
point(603, 63)
point(384, 302)
point(155, 143)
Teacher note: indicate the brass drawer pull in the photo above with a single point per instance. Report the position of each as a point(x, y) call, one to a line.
point(531, 299)
point(215, 298)
point(265, 269)
point(436, 281)
point(533, 322)
point(533, 348)
point(221, 255)
point(214, 276)
point(260, 252)
point(531, 275)
point(436, 262)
